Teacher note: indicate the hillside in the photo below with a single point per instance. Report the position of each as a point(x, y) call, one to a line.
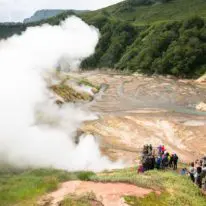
point(45, 14)
point(143, 12)
point(160, 38)
point(25, 188)
point(176, 47)
point(148, 36)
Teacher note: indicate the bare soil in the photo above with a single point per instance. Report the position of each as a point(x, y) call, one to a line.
point(110, 194)
point(138, 110)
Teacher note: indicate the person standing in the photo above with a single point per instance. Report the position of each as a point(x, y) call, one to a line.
point(192, 171)
point(204, 176)
point(171, 161)
point(140, 169)
point(198, 177)
point(150, 149)
point(163, 149)
point(175, 161)
point(153, 162)
point(158, 162)
point(159, 150)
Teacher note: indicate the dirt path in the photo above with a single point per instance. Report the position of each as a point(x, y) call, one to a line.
point(110, 194)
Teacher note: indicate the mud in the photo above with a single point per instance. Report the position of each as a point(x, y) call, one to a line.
point(109, 194)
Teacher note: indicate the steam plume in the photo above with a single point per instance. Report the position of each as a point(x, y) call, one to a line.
point(23, 60)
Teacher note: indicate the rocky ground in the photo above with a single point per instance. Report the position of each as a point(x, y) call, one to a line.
point(133, 111)
point(138, 110)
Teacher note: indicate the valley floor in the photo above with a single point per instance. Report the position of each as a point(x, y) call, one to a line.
point(138, 110)
point(133, 111)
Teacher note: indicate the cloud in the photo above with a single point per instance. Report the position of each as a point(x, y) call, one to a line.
point(17, 10)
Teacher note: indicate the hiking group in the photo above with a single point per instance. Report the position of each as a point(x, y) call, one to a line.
point(157, 158)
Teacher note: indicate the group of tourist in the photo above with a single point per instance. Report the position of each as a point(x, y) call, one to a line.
point(157, 158)
point(197, 172)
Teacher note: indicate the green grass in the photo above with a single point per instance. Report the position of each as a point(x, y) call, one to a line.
point(150, 200)
point(69, 94)
point(85, 176)
point(88, 83)
point(88, 199)
point(175, 190)
point(21, 187)
point(71, 201)
point(174, 10)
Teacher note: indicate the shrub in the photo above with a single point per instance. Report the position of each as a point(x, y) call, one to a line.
point(85, 175)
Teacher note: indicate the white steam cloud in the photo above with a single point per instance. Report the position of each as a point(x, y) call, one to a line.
point(23, 61)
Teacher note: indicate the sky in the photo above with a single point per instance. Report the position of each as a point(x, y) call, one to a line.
point(17, 10)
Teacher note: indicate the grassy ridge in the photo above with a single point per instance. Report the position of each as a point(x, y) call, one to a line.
point(25, 187)
point(159, 12)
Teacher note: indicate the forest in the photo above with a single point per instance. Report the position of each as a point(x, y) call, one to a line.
point(145, 36)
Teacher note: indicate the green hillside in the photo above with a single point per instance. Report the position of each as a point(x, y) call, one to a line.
point(161, 10)
point(151, 37)
point(148, 36)
point(177, 47)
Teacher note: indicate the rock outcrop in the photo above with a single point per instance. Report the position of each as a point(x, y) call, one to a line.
point(201, 107)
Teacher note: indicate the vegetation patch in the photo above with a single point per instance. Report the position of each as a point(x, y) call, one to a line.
point(85, 175)
point(20, 187)
point(173, 47)
point(88, 199)
point(69, 94)
point(151, 199)
point(88, 83)
point(176, 190)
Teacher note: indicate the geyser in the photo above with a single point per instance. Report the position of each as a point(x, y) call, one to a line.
point(23, 61)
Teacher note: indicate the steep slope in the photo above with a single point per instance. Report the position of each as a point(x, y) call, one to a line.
point(142, 12)
point(43, 14)
point(148, 36)
point(176, 48)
